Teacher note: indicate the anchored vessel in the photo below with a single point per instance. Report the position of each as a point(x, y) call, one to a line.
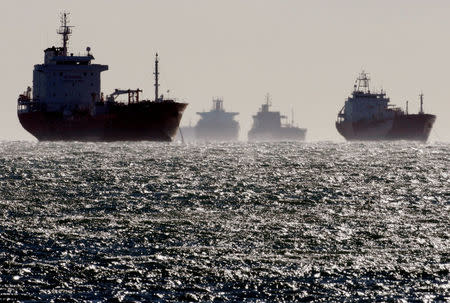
point(267, 126)
point(217, 124)
point(369, 116)
point(66, 102)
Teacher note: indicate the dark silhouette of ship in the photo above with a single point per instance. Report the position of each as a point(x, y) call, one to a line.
point(267, 126)
point(66, 103)
point(217, 124)
point(369, 116)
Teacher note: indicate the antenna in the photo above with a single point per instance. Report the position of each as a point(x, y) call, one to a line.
point(268, 100)
point(156, 77)
point(65, 31)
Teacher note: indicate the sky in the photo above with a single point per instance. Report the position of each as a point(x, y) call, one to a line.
point(305, 54)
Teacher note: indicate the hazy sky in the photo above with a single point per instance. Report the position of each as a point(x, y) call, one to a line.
point(306, 54)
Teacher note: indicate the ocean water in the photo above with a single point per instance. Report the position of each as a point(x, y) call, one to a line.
point(266, 222)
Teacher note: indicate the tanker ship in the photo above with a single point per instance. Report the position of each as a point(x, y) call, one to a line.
point(267, 126)
point(217, 124)
point(66, 103)
point(369, 116)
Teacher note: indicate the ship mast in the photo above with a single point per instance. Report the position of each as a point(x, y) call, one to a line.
point(268, 99)
point(156, 78)
point(292, 116)
point(265, 107)
point(421, 103)
point(362, 83)
point(65, 31)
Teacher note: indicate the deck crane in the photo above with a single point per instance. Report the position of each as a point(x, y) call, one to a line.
point(133, 95)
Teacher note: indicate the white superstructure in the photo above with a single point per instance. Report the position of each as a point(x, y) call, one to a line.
point(365, 105)
point(66, 82)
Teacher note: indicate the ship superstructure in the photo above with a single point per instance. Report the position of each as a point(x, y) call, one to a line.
point(369, 115)
point(268, 126)
point(217, 124)
point(66, 102)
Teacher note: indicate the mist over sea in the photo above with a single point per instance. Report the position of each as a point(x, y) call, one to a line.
point(242, 222)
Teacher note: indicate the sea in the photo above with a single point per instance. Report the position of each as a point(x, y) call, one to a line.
point(235, 222)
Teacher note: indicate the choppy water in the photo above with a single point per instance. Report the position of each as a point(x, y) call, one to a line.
point(238, 222)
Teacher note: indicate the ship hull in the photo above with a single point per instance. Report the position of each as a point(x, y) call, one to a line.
point(146, 121)
point(218, 133)
point(281, 134)
point(404, 127)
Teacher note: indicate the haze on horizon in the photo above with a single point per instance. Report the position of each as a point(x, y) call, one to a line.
point(306, 54)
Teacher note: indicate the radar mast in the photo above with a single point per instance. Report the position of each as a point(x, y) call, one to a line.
point(218, 104)
point(362, 83)
point(265, 107)
point(65, 31)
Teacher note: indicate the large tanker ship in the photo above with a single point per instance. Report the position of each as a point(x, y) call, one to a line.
point(369, 116)
point(66, 103)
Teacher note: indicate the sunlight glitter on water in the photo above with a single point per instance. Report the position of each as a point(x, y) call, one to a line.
point(240, 222)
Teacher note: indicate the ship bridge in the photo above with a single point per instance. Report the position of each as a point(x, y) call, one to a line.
point(66, 81)
point(364, 105)
point(266, 119)
point(55, 55)
point(217, 112)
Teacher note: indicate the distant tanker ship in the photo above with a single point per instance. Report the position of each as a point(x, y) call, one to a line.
point(217, 124)
point(369, 116)
point(66, 103)
point(267, 126)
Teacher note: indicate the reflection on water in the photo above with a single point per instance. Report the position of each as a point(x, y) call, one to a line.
point(224, 222)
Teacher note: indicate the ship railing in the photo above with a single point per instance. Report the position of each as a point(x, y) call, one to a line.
point(37, 106)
